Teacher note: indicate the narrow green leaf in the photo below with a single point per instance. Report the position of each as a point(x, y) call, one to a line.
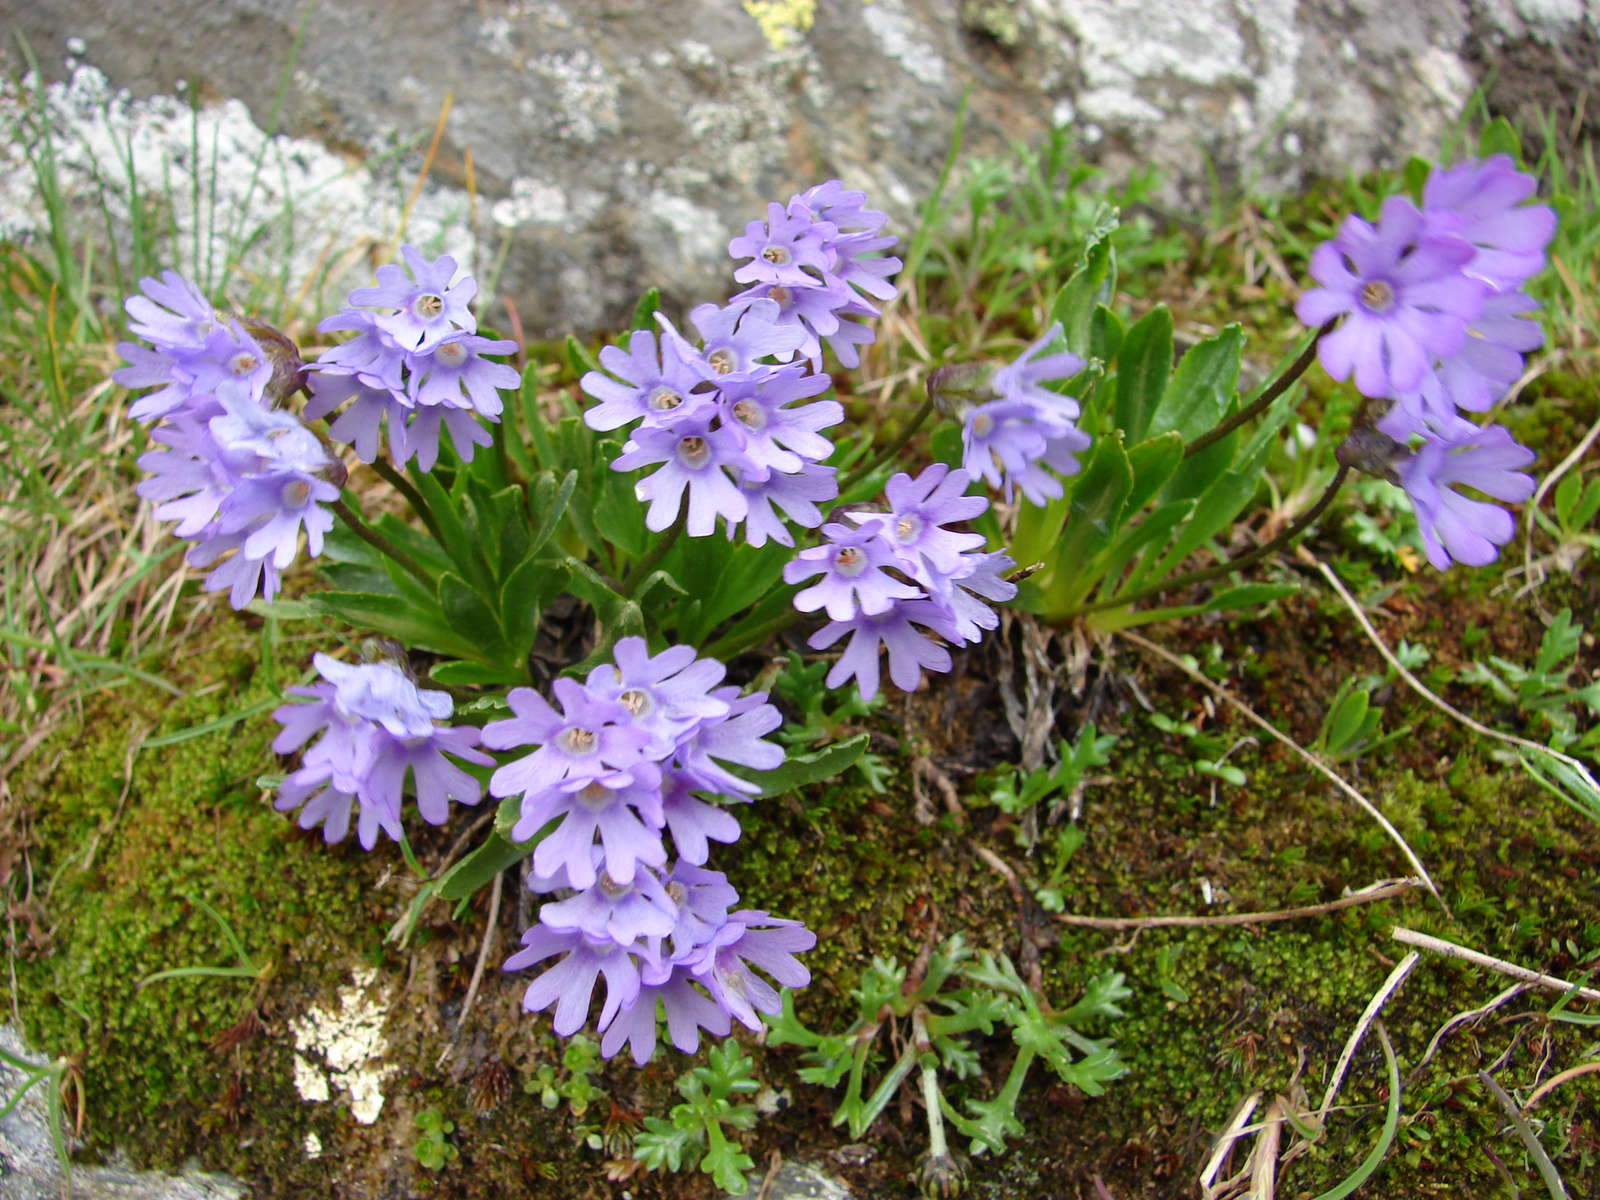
point(1153, 461)
point(225, 722)
point(471, 618)
point(1391, 1123)
point(1144, 365)
point(644, 312)
point(481, 866)
point(1091, 283)
point(1093, 519)
point(399, 618)
point(801, 769)
point(1106, 334)
point(457, 673)
point(579, 357)
point(1499, 136)
point(1201, 386)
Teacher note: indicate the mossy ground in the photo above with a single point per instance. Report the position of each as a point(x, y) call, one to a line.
point(1216, 1013)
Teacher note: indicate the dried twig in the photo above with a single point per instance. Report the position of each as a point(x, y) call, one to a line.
point(1555, 1081)
point(1227, 697)
point(1366, 896)
point(1368, 1015)
point(1460, 1018)
point(483, 956)
point(1450, 949)
point(773, 1163)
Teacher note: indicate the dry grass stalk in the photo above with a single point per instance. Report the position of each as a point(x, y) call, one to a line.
point(1439, 946)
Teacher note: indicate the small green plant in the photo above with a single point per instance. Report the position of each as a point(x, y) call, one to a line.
point(1208, 754)
point(1543, 692)
point(821, 722)
point(1013, 794)
point(981, 996)
point(1573, 506)
point(694, 1136)
point(581, 1059)
point(57, 1075)
point(1049, 894)
point(432, 1148)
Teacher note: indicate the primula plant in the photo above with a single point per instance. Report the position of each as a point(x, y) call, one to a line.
point(557, 611)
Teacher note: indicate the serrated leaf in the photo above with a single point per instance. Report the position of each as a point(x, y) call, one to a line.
point(726, 1163)
point(1091, 283)
point(662, 1144)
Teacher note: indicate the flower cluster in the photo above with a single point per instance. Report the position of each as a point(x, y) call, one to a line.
point(813, 259)
point(240, 476)
point(734, 421)
point(376, 725)
point(613, 771)
point(887, 573)
point(1431, 320)
point(417, 363)
point(1012, 427)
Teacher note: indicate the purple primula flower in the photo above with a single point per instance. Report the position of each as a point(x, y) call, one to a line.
point(1490, 358)
point(735, 339)
point(909, 651)
point(588, 739)
point(569, 985)
point(757, 411)
point(1402, 292)
point(655, 387)
point(687, 1011)
point(701, 900)
point(782, 247)
point(172, 314)
point(426, 306)
point(622, 807)
point(373, 355)
point(621, 912)
point(694, 455)
point(667, 695)
point(420, 436)
point(813, 310)
point(918, 511)
point(693, 823)
point(753, 939)
point(1002, 442)
point(1021, 379)
point(796, 495)
point(454, 373)
point(360, 424)
point(1455, 527)
point(376, 725)
point(1480, 201)
point(969, 615)
point(735, 738)
point(853, 577)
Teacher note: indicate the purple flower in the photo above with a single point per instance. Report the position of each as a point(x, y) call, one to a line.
point(1021, 378)
point(657, 388)
point(782, 247)
point(753, 939)
point(455, 374)
point(693, 455)
point(668, 695)
point(852, 567)
point(693, 823)
point(735, 738)
point(622, 807)
point(735, 339)
point(796, 495)
point(569, 985)
point(373, 354)
point(909, 650)
point(421, 435)
point(758, 412)
point(1480, 202)
point(1455, 527)
point(918, 511)
point(622, 912)
point(376, 725)
point(1402, 292)
point(588, 739)
point(426, 307)
point(969, 615)
point(687, 1011)
point(359, 425)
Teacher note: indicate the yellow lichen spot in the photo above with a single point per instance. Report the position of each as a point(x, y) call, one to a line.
point(782, 21)
point(1409, 558)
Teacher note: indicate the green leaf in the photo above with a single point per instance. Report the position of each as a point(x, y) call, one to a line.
point(1247, 595)
point(644, 312)
point(1144, 365)
point(402, 619)
point(1346, 721)
point(945, 443)
point(1091, 283)
point(1201, 387)
point(579, 357)
point(459, 543)
point(1391, 1123)
point(481, 866)
point(528, 591)
point(1499, 137)
point(1560, 642)
point(1415, 175)
point(1093, 518)
point(1106, 334)
point(470, 617)
point(663, 1144)
point(801, 769)
point(725, 1162)
point(457, 673)
point(548, 505)
point(1152, 462)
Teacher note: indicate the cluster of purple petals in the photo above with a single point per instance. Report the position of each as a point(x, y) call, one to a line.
point(624, 761)
point(733, 424)
point(376, 726)
point(1433, 321)
point(1025, 427)
point(416, 363)
point(891, 578)
point(239, 476)
point(818, 259)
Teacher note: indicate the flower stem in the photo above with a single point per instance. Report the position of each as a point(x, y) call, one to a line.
point(382, 545)
point(1271, 392)
point(413, 497)
point(653, 556)
point(1226, 568)
point(937, 1146)
point(893, 448)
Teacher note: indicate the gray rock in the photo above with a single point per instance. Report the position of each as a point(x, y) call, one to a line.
point(798, 1181)
point(28, 1167)
point(619, 144)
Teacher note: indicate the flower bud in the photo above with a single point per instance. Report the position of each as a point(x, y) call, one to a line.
point(1371, 452)
point(956, 387)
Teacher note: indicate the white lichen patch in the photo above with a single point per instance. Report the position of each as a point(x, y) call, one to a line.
point(349, 1040)
point(313, 1145)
